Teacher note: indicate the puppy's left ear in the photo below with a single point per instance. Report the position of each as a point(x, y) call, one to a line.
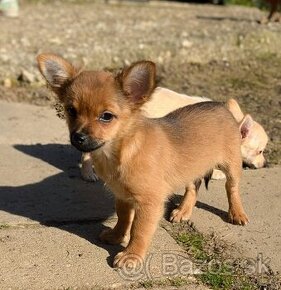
point(138, 81)
point(246, 126)
point(235, 110)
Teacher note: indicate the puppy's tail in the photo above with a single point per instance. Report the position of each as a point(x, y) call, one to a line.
point(207, 178)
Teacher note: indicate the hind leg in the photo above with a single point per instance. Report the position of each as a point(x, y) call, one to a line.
point(184, 211)
point(236, 212)
point(273, 10)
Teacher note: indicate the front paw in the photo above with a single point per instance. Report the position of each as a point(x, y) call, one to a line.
point(238, 217)
point(179, 215)
point(110, 236)
point(264, 20)
point(128, 260)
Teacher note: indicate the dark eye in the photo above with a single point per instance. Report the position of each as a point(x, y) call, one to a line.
point(261, 151)
point(106, 117)
point(71, 111)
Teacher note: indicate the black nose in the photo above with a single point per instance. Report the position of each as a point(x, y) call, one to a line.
point(79, 138)
point(249, 166)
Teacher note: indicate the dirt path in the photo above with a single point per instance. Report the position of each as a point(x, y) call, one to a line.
point(50, 219)
point(47, 214)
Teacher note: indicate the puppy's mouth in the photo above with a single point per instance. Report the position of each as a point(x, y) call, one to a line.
point(89, 148)
point(84, 143)
point(249, 166)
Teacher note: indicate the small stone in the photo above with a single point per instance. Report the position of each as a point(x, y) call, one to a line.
point(160, 59)
point(4, 57)
point(25, 42)
point(186, 43)
point(55, 40)
point(7, 83)
point(85, 60)
point(116, 59)
point(26, 77)
point(127, 62)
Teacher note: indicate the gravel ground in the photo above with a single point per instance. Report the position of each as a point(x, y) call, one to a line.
point(213, 51)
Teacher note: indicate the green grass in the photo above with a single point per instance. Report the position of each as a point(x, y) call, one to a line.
point(4, 226)
point(209, 255)
point(178, 282)
point(163, 283)
point(221, 279)
point(225, 280)
point(248, 3)
point(147, 284)
point(194, 242)
point(217, 277)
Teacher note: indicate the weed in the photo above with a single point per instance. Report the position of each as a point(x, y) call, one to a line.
point(248, 3)
point(221, 279)
point(194, 242)
point(178, 281)
point(146, 284)
point(4, 226)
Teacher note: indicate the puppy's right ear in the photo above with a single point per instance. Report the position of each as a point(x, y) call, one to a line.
point(56, 70)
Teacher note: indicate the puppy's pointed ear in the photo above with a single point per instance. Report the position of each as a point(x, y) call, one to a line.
point(138, 81)
point(235, 109)
point(56, 70)
point(246, 126)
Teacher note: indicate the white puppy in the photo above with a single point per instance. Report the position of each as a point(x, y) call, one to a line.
point(164, 101)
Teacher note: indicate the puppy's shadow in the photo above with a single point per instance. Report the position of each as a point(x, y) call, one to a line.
point(176, 200)
point(62, 200)
point(61, 156)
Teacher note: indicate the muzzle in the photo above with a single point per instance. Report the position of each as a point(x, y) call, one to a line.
point(84, 142)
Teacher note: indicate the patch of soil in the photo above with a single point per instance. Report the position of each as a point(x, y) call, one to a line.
point(220, 260)
point(204, 50)
point(254, 82)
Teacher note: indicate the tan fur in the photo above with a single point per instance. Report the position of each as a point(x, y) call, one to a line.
point(164, 101)
point(144, 160)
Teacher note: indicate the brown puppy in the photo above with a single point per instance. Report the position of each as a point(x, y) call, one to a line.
point(163, 101)
point(144, 160)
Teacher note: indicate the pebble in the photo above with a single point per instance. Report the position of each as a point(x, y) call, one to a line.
point(186, 43)
point(4, 57)
point(7, 83)
point(26, 77)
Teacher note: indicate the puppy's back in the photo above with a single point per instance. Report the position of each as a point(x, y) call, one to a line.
point(202, 118)
point(202, 136)
point(195, 111)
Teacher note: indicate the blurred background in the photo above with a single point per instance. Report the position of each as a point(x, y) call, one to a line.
point(216, 51)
